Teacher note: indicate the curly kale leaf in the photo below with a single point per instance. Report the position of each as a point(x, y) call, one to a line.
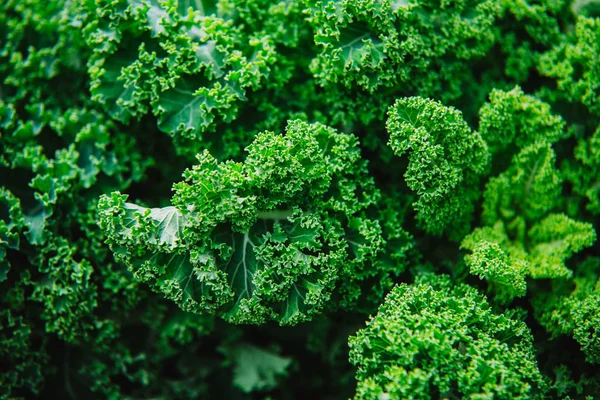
point(572, 308)
point(191, 66)
point(185, 68)
point(573, 64)
point(389, 44)
point(513, 118)
point(583, 171)
point(495, 259)
point(528, 189)
point(542, 253)
point(553, 240)
point(521, 237)
point(436, 339)
point(267, 239)
point(525, 31)
point(446, 161)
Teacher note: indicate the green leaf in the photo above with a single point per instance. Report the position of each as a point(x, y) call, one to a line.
point(505, 273)
point(183, 109)
point(255, 368)
point(267, 239)
point(583, 171)
point(441, 339)
point(555, 239)
point(36, 224)
point(528, 189)
point(169, 223)
point(446, 159)
point(512, 118)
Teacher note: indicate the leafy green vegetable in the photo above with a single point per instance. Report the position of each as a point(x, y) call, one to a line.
point(583, 172)
point(446, 160)
point(266, 239)
point(161, 238)
point(573, 309)
point(434, 339)
point(255, 368)
point(512, 118)
point(390, 43)
point(570, 63)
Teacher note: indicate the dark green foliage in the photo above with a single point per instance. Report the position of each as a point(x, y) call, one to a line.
point(267, 239)
point(207, 199)
point(446, 162)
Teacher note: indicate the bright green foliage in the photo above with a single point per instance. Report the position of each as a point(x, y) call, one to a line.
point(389, 43)
point(573, 308)
point(526, 30)
point(66, 306)
point(512, 118)
point(407, 123)
point(432, 339)
point(583, 172)
point(186, 65)
point(540, 253)
point(573, 64)
point(520, 236)
point(446, 161)
point(267, 239)
point(555, 239)
point(526, 191)
point(494, 258)
point(61, 146)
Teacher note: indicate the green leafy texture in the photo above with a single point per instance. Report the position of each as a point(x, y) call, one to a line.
point(390, 44)
point(512, 118)
point(49, 203)
point(22, 351)
point(553, 240)
point(65, 302)
point(573, 64)
point(520, 237)
point(505, 273)
point(191, 66)
point(572, 308)
point(76, 324)
point(183, 64)
point(446, 161)
point(267, 239)
point(528, 189)
point(436, 339)
point(11, 225)
point(26, 361)
point(255, 368)
point(548, 245)
point(583, 171)
point(564, 384)
point(119, 356)
point(32, 112)
point(524, 32)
